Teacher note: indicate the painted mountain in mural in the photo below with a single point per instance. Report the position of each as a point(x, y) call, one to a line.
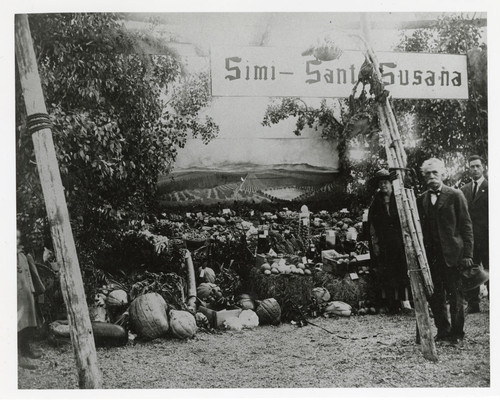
point(244, 182)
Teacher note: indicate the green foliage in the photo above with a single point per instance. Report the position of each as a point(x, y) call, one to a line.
point(121, 107)
point(448, 129)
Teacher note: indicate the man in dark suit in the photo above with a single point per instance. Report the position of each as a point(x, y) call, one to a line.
point(448, 241)
point(476, 194)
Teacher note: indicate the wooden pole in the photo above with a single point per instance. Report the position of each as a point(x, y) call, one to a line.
point(418, 268)
point(89, 376)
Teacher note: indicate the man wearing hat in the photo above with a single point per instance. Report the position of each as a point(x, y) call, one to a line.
point(448, 241)
point(476, 194)
point(387, 247)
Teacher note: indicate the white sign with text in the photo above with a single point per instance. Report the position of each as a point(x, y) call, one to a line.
point(284, 72)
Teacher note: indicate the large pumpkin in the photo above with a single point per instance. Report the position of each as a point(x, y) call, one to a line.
point(148, 316)
point(117, 298)
point(182, 324)
point(269, 312)
point(321, 295)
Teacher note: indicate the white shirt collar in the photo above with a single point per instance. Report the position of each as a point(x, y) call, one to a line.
point(479, 181)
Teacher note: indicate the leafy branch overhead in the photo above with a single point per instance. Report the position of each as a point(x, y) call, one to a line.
point(106, 89)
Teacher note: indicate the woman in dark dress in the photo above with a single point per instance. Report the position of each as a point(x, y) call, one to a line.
point(387, 247)
point(29, 285)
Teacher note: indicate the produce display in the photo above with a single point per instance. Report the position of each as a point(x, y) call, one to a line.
point(256, 268)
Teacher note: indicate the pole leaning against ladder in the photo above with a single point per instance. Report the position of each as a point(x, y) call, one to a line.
point(418, 267)
point(89, 376)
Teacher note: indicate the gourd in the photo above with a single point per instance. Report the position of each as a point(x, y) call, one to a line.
point(182, 324)
point(321, 295)
point(117, 298)
point(269, 312)
point(148, 316)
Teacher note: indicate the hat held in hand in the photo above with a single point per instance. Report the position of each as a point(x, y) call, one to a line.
point(474, 277)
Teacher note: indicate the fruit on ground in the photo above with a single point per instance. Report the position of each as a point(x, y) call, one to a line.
point(182, 324)
point(148, 316)
point(269, 312)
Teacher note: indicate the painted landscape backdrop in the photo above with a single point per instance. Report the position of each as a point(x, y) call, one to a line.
point(245, 183)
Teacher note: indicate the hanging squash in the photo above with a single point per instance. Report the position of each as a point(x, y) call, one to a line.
point(321, 294)
point(148, 316)
point(269, 312)
point(182, 324)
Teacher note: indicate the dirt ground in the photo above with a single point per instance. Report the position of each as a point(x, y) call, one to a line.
point(380, 352)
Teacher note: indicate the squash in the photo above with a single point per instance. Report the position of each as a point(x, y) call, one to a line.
point(148, 316)
point(208, 275)
point(275, 271)
point(338, 308)
point(206, 290)
point(269, 312)
point(267, 272)
point(109, 335)
point(182, 324)
point(117, 298)
point(321, 295)
point(105, 334)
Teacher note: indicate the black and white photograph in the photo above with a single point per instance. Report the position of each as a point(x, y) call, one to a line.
point(283, 199)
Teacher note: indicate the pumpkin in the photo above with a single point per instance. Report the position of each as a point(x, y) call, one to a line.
point(148, 316)
point(275, 271)
point(269, 312)
point(117, 298)
point(208, 275)
point(267, 272)
point(207, 289)
point(321, 295)
point(182, 324)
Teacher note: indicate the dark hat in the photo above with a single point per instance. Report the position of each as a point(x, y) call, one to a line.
point(474, 277)
point(380, 175)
